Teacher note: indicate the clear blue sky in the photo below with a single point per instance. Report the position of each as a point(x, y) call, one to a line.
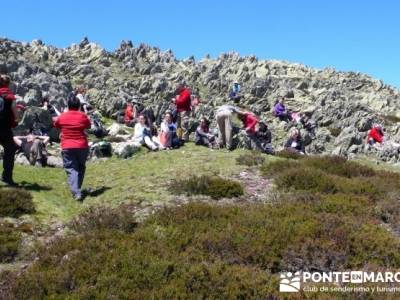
point(347, 35)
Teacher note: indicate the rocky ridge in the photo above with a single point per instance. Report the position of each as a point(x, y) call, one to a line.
point(343, 104)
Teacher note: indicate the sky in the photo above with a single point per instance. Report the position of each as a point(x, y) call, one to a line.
point(360, 36)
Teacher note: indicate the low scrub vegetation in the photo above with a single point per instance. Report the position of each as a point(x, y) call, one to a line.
point(15, 202)
point(9, 243)
point(104, 217)
point(335, 131)
point(288, 154)
point(336, 175)
point(253, 158)
point(213, 186)
point(210, 251)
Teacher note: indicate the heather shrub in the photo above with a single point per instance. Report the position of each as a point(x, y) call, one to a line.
point(15, 202)
point(253, 158)
point(207, 251)
point(213, 186)
point(9, 243)
point(289, 154)
point(337, 165)
point(335, 131)
point(306, 179)
point(276, 167)
point(103, 217)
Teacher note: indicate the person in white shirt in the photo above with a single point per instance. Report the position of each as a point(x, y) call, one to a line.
point(168, 137)
point(80, 94)
point(142, 135)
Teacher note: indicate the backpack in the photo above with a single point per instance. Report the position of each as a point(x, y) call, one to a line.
point(101, 149)
point(97, 127)
point(4, 115)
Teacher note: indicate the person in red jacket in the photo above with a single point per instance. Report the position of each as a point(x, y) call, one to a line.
point(183, 106)
point(8, 120)
point(249, 121)
point(74, 144)
point(375, 135)
point(129, 117)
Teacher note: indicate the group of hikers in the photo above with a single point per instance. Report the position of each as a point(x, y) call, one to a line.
point(173, 131)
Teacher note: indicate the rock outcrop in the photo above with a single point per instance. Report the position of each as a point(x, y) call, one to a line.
point(343, 104)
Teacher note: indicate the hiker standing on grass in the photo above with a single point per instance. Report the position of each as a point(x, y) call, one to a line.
point(183, 103)
point(74, 144)
point(224, 121)
point(8, 120)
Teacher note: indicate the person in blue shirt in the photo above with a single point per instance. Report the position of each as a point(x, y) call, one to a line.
point(235, 92)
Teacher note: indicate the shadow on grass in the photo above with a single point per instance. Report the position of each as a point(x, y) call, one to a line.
point(94, 192)
point(29, 186)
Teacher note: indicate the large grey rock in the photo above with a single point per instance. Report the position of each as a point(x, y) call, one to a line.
point(335, 99)
point(116, 129)
point(125, 149)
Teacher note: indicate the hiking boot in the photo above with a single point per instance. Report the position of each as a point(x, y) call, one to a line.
point(9, 182)
point(78, 197)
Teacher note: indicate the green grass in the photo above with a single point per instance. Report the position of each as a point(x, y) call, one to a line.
point(144, 177)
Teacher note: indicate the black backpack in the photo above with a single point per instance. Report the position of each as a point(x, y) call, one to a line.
point(5, 111)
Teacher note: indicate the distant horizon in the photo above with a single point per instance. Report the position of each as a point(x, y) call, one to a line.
point(348, 36)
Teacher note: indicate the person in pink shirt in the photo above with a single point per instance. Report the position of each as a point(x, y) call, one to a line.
point(74, 144)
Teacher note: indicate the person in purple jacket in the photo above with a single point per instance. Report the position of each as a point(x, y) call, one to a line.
point(280, 110)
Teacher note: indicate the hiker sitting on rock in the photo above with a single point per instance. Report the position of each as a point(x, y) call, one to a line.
point(223, 117)
point(34, 148)
point(263, 138)
point(143, 136)
point(376, 135)
point(308, 124)
point(203, 136)
point(129, 115)
point(295, 142)
point(377, 139)
point(280, 110)
point(234, 93)
point(168, 137)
